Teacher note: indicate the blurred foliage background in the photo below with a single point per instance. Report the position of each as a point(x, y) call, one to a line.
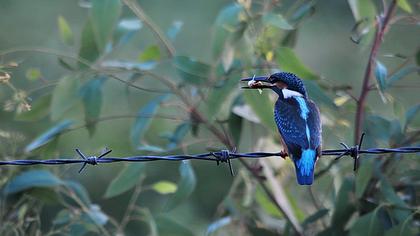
point(161, 77)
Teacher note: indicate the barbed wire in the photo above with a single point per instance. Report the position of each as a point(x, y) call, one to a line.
point(223, 156)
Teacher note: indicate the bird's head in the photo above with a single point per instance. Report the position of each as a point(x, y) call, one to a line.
point(280, 80)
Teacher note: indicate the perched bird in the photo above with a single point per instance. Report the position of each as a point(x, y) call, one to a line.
point(298, 121)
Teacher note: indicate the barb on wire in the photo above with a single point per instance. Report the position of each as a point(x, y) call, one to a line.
point(219, 157)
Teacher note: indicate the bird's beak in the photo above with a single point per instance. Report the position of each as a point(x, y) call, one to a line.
point(260, 82)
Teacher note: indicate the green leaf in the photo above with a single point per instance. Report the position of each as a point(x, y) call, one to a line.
point(66, 34)
point(104, 15)
point(143, 120)
point(91, 94)
point(380, 74)
point(402, 73)
point(315, 216)
point(391, 196)
point(180, 132)
point(126, 180)
point(89, 49)
point(31, 179)
point(363, 176)
point(186, 186)
point(267, 205)
point(367, 224)
point(167, 226)
point(276, 20)
point(96, 215)
point(191, 70)
point(343, 207)
point(150, 148)
point(221, 97)
point(226, 27)
point(317, 94)
point(362, 9)
point(164, 187)
point(288, 61)
point(79, 191)
point(48, 135)
point(40, 109)
point(64, 96)
point(218, 224)
point(263, 107)
point(411, 114)
point(235, 127)
point(173, 31)
point(33, 74)
point(151, 53)
point(403, 4)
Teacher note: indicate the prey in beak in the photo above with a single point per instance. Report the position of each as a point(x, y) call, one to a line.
point(260, 82)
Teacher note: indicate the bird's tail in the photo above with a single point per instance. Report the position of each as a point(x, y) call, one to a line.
point(305, 167)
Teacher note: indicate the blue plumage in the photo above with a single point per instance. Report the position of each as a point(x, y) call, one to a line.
point(298, 122)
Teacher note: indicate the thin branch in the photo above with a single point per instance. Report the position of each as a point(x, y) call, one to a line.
point(138, 11)
point(381, 28)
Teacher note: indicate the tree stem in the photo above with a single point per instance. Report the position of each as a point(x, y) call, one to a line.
point(381, 28)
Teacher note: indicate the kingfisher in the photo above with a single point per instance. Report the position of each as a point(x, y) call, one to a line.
point(297, 119)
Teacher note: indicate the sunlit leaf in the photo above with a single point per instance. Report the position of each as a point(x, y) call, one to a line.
point(66, 34)
point(276, 20)
point(104, 15)
point(174, 29)
point(186, 186)
point(164, 187)
point(40, 109)
point(48, 135)
point(403, 4)
point(381, 73)
point(151, 53)
point(143, 120)
point(91, 94)
point(128, 177)
point(64, 97)
point(362, 9)
point(32, 179)
point(363, 176)
point(288, 61)
point(191, 70)
point(33, 74)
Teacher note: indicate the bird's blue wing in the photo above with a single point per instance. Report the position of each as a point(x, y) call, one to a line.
point(314, 121)
point(290, 125)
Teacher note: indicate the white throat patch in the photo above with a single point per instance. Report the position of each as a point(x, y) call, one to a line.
point(290, 93)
